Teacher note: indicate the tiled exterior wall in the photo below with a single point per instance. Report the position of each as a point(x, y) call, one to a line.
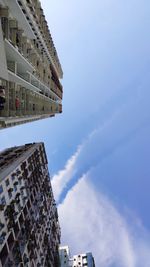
point(29, 228)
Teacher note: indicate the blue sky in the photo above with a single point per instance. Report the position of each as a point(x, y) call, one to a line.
point(98, 148)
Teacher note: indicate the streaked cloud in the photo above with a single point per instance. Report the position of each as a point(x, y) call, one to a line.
point(114, 132)
point(114, 151)
point(61, 179)
point(91, 222)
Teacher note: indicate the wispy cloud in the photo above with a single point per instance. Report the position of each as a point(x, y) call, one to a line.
point(91, 222)
point(114, 154)
point(60, 180)
point(112, 134)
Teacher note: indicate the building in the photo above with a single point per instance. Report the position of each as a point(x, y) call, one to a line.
point(82, 260)
point(79, 260)
point(29, 228)
point(64, 255)
point(30, 70)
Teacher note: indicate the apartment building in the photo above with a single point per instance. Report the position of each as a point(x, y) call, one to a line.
point(30, 70)
point(79, 260)
point(29, 227)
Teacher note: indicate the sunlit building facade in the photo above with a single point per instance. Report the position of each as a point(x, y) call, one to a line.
point(64, 254)
point(79, 260)
point(29, 227)
point(30, 70)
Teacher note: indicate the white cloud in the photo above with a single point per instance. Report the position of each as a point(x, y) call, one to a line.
point(102, 142)
point(60, 180)
point(90, 222)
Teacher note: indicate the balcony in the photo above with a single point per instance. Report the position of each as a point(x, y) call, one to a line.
point(29, 81)
point(13, 54)
point(17, 13)
point(4, 12)
point(31, 17)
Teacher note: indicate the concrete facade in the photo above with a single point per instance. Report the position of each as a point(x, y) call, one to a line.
point(82, 260)
point(30, 70)
point(29, 227)
point(64, 255)
point(79, 260)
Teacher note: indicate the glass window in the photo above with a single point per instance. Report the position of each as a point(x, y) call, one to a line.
point(10, 193)
point(20, 180)
point(1, 189)
point(3, 201)
point(7, 182)
point(13, 177)
point(15, 187)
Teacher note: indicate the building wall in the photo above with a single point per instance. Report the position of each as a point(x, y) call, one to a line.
point(29, 228)
point(83, 260)
point(79, 260)
point(30, 66)
point(64, 255)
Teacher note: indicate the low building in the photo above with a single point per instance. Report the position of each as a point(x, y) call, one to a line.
point(30, 70)
point(82, 260)
point(79, 260)
point(29, 227)
point(64, 255)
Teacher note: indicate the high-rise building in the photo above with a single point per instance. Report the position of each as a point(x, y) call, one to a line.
point(79, 260)
point(29, 227)
point(30, 70)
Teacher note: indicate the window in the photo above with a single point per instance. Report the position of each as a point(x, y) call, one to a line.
point(7, 182)
point(20, 180)
point(10, 193)
point(1, 189)
point(3, 201)
point(13, 177)
point(15, 187)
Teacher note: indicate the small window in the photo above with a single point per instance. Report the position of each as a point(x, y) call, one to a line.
point(7, 182)
point(15, 187)
point(10, 193)
point(20, 180)
point(13, 177)
point(3, 201)
point(1, 189)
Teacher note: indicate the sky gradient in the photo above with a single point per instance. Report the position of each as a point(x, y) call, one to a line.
point(98, 148)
